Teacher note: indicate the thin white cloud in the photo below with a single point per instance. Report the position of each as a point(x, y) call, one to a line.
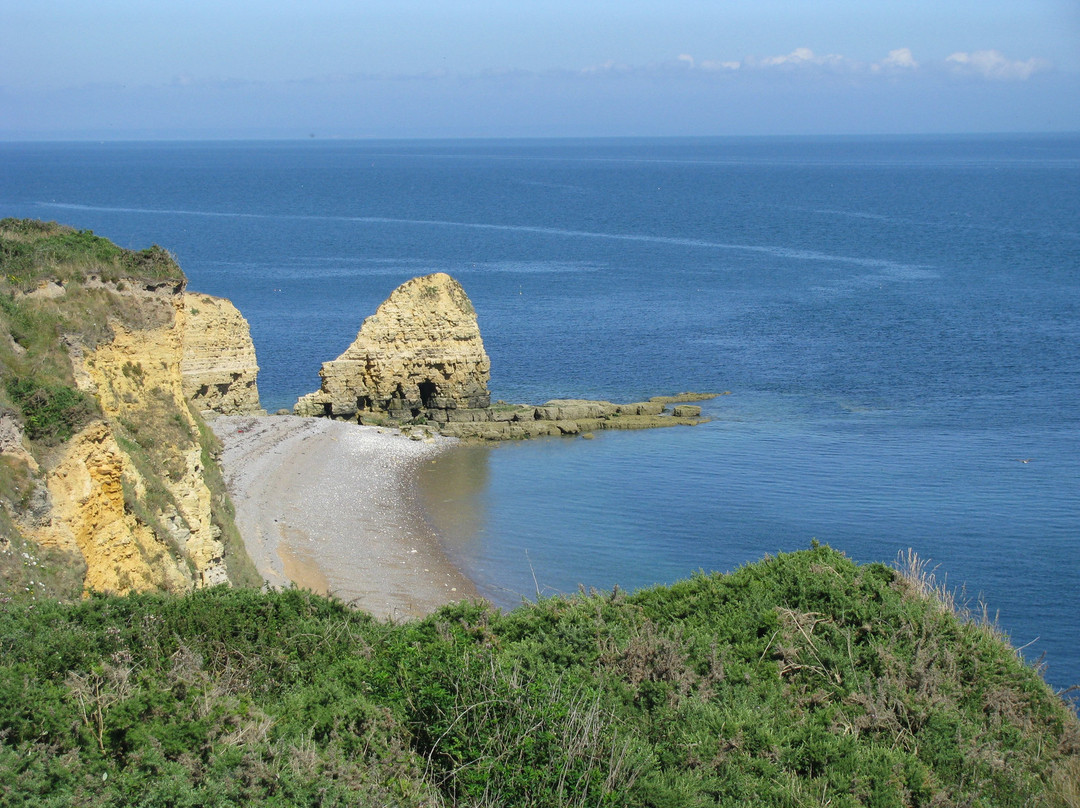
point(610, 66)
point(898, 64)
point(802, 57)
point(984, 64)
point(992, 64)
point(899, 59)
point(716, 65)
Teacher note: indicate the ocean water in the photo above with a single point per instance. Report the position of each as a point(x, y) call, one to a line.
point(897, 322)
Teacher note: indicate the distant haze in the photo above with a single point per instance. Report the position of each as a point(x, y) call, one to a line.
point(120, 69)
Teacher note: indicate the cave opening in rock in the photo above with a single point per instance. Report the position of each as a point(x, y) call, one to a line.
point(428, 391)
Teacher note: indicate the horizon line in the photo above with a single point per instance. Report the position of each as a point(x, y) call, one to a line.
point(60, 139)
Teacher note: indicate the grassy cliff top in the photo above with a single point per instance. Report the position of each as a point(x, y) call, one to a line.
point(803, 679)
point(91, 279)
point(33, 251)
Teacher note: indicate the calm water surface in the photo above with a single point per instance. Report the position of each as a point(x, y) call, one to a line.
point(896, 320)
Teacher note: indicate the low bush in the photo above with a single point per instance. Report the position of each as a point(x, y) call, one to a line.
point(801, 679)
point(51, 413)
point(32, 250)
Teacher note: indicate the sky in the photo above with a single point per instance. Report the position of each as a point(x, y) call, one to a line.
point(234, 69)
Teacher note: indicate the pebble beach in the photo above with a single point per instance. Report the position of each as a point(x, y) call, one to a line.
point(330, 506)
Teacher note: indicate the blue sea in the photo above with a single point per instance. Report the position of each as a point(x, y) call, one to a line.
point(897, 321)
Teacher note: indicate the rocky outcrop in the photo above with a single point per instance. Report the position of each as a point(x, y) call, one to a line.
point(419, 360)
point(129, 492)
point(218, 366)
point(576, 417)
point(419, 356)
point(90, 517)
point(13, 442)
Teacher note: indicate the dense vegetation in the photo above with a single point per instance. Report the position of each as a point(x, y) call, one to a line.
point(803, 679)
point(32, 250)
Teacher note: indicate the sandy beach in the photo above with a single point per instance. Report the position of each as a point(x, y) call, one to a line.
point(330, 506)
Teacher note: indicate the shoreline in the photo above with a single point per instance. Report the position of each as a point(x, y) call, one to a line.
point(332, 507)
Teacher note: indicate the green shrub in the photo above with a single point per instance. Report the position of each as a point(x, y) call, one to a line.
point(803, 679)
point(51, 413)
point(31, 250)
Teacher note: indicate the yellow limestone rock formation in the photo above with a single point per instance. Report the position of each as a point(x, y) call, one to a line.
point(218, 367)
point(102, 457)
point(420, 358)
point(89, 517)
point(419, 355)
point(134, 531)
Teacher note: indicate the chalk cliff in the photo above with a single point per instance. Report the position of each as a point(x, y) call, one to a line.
point(218, 366)
point(419, 355)
point(103, 459)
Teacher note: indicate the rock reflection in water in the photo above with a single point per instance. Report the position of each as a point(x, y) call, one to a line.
point(454, 489)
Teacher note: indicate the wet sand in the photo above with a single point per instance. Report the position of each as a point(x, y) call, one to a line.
point(331, 507)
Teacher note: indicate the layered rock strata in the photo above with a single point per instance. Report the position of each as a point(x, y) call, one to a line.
point(90, 517)
point(218, 366)
point(136, 530)
point(576, 417)
point(419, 356)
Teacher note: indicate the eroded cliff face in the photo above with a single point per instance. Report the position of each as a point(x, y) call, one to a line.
point(91, 518)
point(420, 354)
point(218, 367)
point(128, 492)
point(108, 475)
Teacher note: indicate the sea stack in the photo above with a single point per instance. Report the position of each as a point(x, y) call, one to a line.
point(419, 356)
